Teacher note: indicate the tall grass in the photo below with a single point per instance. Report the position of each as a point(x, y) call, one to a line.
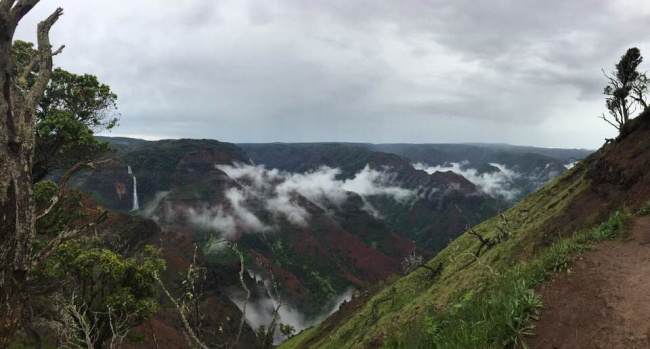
point(645, 210)
point(500, 313)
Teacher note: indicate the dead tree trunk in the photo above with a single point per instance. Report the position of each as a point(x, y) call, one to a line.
point(18, 105)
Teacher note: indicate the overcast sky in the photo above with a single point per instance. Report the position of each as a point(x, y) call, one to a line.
point(521, 72)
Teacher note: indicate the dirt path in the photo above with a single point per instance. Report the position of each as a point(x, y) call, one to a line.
point(605, 301)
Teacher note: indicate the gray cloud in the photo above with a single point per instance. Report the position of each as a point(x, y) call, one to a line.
point(277, 192)
point(259, 312)
point(496, 184)
point(524, 72)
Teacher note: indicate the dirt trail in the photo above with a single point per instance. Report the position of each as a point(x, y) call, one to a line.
point(605, 301)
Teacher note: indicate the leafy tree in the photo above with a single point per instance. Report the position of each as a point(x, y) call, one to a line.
point(73, 108)
point(626, 90)
point(287, 330)
point(107, 294)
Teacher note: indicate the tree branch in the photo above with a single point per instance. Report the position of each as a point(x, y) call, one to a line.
point(66, 177)
point(186, 323)
point(59, 50)
point(21, 8)
point(22, 80)
point(65, 236)
point(270, 331)
point(45, 56)
point(641, 101)
point(488, 243)
point(233, 246)
point(47, 289)
point(609, 122)
point(613, 81)
point(153, 335)
point(433, 272)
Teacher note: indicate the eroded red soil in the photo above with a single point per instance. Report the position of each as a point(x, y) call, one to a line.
point(604, 302)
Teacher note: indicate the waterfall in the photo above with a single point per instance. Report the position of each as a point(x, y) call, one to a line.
point(135, 195)
point(135, 189)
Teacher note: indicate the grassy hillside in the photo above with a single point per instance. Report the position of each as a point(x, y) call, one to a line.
point(463, 303)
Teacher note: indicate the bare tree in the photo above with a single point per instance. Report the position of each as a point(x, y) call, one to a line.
point(77, 327)
point(77, 330)
point(415, 261)
point(119, 326)
point(188, 304)
point(18, 105)
point(233, 247)
point(488, 243)
point(190, 335)
point(267, 341)
point(504, 232)
point(192, 294)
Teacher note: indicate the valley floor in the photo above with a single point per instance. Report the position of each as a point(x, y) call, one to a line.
point(604, 301)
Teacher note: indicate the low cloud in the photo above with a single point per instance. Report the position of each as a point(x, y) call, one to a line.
point(282, 205)
point(230, 217)
point(497, 184)
point(320, 186)
point(149, 211)
point(215, 219)
point(260, 311)
point(370, 182)
point(246, 217)
point(279, 193)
